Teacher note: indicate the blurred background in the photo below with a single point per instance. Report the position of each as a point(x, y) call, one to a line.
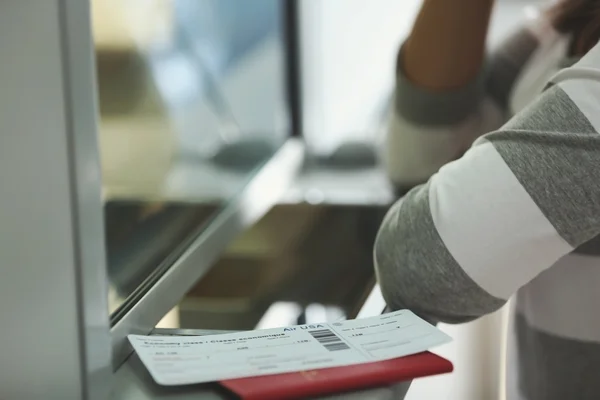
point(196, 96)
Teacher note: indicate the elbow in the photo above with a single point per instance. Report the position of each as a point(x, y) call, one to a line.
point(390, 260)
point(391, 271)
point(401, 290)
point(415, 270)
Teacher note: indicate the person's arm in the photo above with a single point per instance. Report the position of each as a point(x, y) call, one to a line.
point(430, 127)
point(521, 198)
point(446, 47)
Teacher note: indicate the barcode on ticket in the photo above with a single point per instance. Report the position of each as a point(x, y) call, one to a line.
point(329, 340)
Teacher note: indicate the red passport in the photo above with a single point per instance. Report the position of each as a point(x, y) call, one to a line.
point(298, 385)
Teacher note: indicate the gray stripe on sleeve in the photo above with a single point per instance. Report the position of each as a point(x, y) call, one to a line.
point(434, 108)
point(555, 368)
point(554, 112)
point(554, 152)
point(416, 271)
point(507, 62)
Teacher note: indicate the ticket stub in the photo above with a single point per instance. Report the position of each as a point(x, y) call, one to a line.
point(182, 360)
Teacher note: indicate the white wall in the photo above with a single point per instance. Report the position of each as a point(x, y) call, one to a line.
point(348, 51)
point(348, 57)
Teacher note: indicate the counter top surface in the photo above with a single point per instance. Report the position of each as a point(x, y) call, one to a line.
point(133, 382)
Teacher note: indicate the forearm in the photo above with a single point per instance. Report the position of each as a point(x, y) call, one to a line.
point(446, 47)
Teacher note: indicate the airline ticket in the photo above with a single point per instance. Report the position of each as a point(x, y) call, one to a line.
point(182, 360)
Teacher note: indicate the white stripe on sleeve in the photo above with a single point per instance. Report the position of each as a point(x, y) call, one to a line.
point(490, 224)
point(413, 153)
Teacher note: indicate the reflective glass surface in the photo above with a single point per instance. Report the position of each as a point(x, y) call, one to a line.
point(192, 104)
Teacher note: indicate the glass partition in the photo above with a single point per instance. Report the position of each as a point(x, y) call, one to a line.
point(192, 103)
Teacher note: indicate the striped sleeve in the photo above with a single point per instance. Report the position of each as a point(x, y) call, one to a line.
point(521, 198)
point(428, 129)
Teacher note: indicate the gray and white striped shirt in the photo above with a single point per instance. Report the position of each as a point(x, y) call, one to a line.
point(517, 215)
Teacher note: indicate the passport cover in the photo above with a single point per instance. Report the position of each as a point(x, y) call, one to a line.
point(297, 385)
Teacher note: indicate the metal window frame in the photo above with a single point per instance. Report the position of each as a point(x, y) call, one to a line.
point(293, 64)
point(256, 199)
point(55, 335)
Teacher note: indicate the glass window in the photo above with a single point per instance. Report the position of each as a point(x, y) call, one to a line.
point(192, 103)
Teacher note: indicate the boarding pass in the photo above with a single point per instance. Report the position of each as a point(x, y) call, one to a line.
point(182, 360)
